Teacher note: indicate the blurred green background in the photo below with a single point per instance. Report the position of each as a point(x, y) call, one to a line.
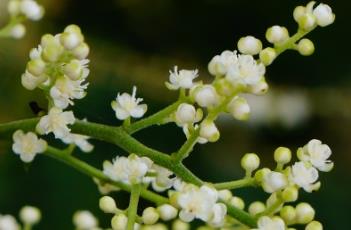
point(136, 42)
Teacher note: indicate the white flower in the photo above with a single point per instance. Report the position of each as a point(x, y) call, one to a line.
point(8, 222)
point(27, 145)
point(56, 121)
point(200, 203)
point(324, 15)
point(78, 140)
point(32, 9)
point(127, 105)
point(35, 53)
point(209, 131)
point(317, 154)
point(162, 180)
point(85, 220)
point(249, 45)
point(267, 223)
point(220, 64)
point(239, 108)
point(305, 177)
point(30, 82)
point(30, 215)
point(65, 90)
point(219, 212)
point(245, 71)
point(181, 79)
point(187, 114)
point(274, 181)
point(205, 95)
point(128, 170)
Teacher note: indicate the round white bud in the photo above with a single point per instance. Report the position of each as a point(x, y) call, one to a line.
point(225, 194)
point(84, 220)
point(288, 213)
point(305, 47)
point(250, 162)
point(299, 12)
point(282, 155)
point(32, 10)
point(324, 15)
point(18, 31)
point(185, 114)
point(256, 207)
point(307, 22)
point(314, 225)
point(30, 215)
point(119, 222)
point(274, 181)
point(81, 51)
point(71, 40)
point(277, 34)
point(36, 67)
point(237, 202)
point(304, 213)
point(249, 45)
point(150, 215)
point(167, 212)
point(107, 204)
point(267, 56)
point(239, 108)
point(180, 225)
point(206, 96)
point(209, 131)
point(73, 69)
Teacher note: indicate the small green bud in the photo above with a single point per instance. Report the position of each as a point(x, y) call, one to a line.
point(260, 174)
point(250, 162)
point(288, 213)
point(249, 45)
point(107, 204)
point(73, 69)
point(282, 155)
point(290, 194)
point(307, 22)
point(150, 215)
point(267, 56)
point(277, 34)
point(119, 222)
point(52, 53)
point(299, 12)
point(314, 225)
point(81, 51)
point(36, 67)
point(304, 213)
point(237, 202)
point(256, 207)
point(305, 47)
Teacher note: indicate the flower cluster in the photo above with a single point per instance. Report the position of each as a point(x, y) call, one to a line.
point(29, 216)
point(20, 10)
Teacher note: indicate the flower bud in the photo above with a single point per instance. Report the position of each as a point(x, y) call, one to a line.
point(305, 47)
point(307, 22)
point(36, 67)
point(209, 131)
point(239, 108)
point(30, 215)
point(299, 12)
point(52, 52)
point(288, 213)
point(73, 69)
point(260, 88)
point(73, 29)
point(256, 207)
point(150, 215)
point(290, 194)
point(32, 10)
point(277, 34)
point(324, 15)
point(185, 114)
point(282, 155)
point(71, 40)
point(48, 39)
point(314, 225)
point(250, 162)
point(237, 202)
point(304, 213)
point(84, 220)
point(119, 222)
point(274, 181)
point(167, 212)
point(249, 45)
point(260, 174)
point(206, 96)
point(81, 51)
point(180, 225)
point(18, 31)
point(225, 194)
point(267, 56)
point(107, 204)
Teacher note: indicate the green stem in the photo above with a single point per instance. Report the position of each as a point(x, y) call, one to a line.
point(246, 182)
point(133, 205)
point(95, 173)
point(187, 147)
point(154, 119)
point(272, 209)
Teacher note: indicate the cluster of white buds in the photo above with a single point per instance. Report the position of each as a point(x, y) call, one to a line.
point(20, 10)
point(85, 220)
point(28, 215)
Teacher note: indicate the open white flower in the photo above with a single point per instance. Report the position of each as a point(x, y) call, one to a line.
point(268, 223)
point(162, 180)
point(317, 154)
point(200, 203)
point(78, 140)
point(246, 71)
point(274, 181)
point(220, 64)
point(128, 170)
point(304, 176)
point(56, 122)
point(65, 90)
point(27, 145)
point(8, 222)
point(181, 79)
point(127, 105)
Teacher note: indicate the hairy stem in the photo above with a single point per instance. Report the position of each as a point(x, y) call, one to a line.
point(133, 205)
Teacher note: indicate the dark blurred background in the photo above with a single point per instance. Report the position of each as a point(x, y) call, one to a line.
point(136, 42)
